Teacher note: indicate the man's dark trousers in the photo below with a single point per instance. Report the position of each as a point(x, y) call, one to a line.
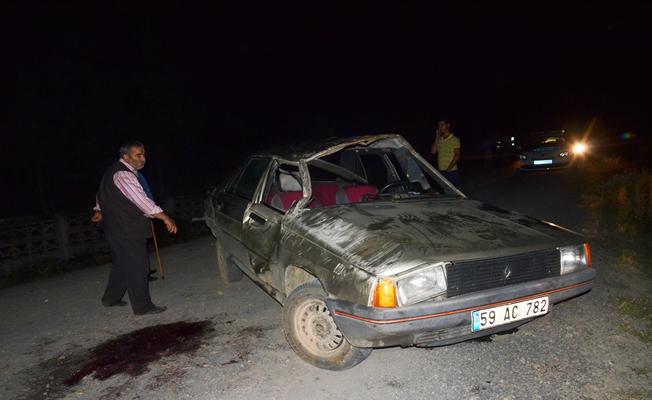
point(452, 176)
point(129, 272)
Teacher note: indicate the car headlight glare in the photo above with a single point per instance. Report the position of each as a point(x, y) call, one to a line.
point(421, 284)
point(574, 258)
point(579, 148)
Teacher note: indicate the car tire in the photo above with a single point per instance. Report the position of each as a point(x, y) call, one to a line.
point(311, 332)
point(228, 271)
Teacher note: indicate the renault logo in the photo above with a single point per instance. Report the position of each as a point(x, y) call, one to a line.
point(507, 272)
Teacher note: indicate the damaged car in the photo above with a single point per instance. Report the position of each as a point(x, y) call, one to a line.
point(366, 245)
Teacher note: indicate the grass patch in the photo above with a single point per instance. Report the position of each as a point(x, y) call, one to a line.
point(620, 202)
point(644, 335)
point(630, 395)
point(639, 309)
point(640, 372)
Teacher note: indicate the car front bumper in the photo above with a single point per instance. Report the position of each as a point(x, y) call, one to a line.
point(447, 321)
point(556, 163)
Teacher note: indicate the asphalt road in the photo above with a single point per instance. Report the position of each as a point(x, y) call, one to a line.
point(227, 343)
point(555, 196)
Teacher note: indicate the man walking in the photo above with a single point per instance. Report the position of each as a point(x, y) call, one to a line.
point(125, 210)
point(447, 148)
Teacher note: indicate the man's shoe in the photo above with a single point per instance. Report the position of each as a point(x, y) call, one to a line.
point(119, 303)
point(153, 310)
point(152, 278)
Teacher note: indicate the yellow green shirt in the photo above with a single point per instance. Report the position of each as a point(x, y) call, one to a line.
point(445, 151)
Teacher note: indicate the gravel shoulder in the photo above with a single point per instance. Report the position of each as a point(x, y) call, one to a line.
point(579, 351)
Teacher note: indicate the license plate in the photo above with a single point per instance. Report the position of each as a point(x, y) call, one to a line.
point(541, 162)
point(495, 316)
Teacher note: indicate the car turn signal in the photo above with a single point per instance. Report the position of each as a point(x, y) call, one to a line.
point(385, 293)
point(587, 254)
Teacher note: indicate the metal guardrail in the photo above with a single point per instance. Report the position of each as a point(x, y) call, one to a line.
point(64, 236)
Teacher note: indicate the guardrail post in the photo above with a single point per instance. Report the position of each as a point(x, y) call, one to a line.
point(63, 238)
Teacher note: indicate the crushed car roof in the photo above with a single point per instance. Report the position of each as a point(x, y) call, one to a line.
point(309, 150)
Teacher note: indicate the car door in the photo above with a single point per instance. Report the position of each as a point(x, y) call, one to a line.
point(231, 205)
point(262, 226)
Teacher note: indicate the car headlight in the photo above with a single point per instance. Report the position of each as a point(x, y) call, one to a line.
point(579, 148)
point(421, 284)
point(522, 156)
point(575, 258)
point(563, 154)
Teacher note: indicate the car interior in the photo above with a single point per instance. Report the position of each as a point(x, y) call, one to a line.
point(353, 175)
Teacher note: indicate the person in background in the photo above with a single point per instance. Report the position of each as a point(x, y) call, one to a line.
point(447, 148)
point(125, 210)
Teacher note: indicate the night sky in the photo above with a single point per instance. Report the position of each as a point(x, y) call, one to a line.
point(205, 85)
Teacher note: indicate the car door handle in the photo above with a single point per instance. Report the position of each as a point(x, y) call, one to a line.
point(257, 218)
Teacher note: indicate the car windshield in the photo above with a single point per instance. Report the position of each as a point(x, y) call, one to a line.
point(364, 174)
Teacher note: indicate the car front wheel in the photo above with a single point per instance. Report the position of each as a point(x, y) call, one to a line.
point(311, 331)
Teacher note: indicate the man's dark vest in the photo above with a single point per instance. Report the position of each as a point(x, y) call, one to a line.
point(120, 217)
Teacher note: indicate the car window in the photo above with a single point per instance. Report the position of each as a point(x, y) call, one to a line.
point(410, 171)
point(284, 187)
point(349, 159)
point(248, 181)
point(361, 174)
point(321, 175)
point(375, 169)
point(229, 183)
point(334, 158)
point(396, 164)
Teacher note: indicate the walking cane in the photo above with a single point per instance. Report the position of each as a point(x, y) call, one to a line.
point(158, 255)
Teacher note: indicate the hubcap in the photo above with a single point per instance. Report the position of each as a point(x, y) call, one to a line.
point(316, 329)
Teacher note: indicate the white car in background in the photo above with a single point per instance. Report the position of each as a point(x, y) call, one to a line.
point(549, 152)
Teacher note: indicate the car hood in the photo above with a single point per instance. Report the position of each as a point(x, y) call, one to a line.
point(386, 238)
point(545, 149)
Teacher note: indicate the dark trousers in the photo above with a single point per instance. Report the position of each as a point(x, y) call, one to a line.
point(129, 273)
point(452, 176)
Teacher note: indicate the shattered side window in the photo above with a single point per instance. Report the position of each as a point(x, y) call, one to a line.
point(284, 187)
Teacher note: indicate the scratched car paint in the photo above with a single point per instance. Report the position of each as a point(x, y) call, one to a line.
point(361, 240)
